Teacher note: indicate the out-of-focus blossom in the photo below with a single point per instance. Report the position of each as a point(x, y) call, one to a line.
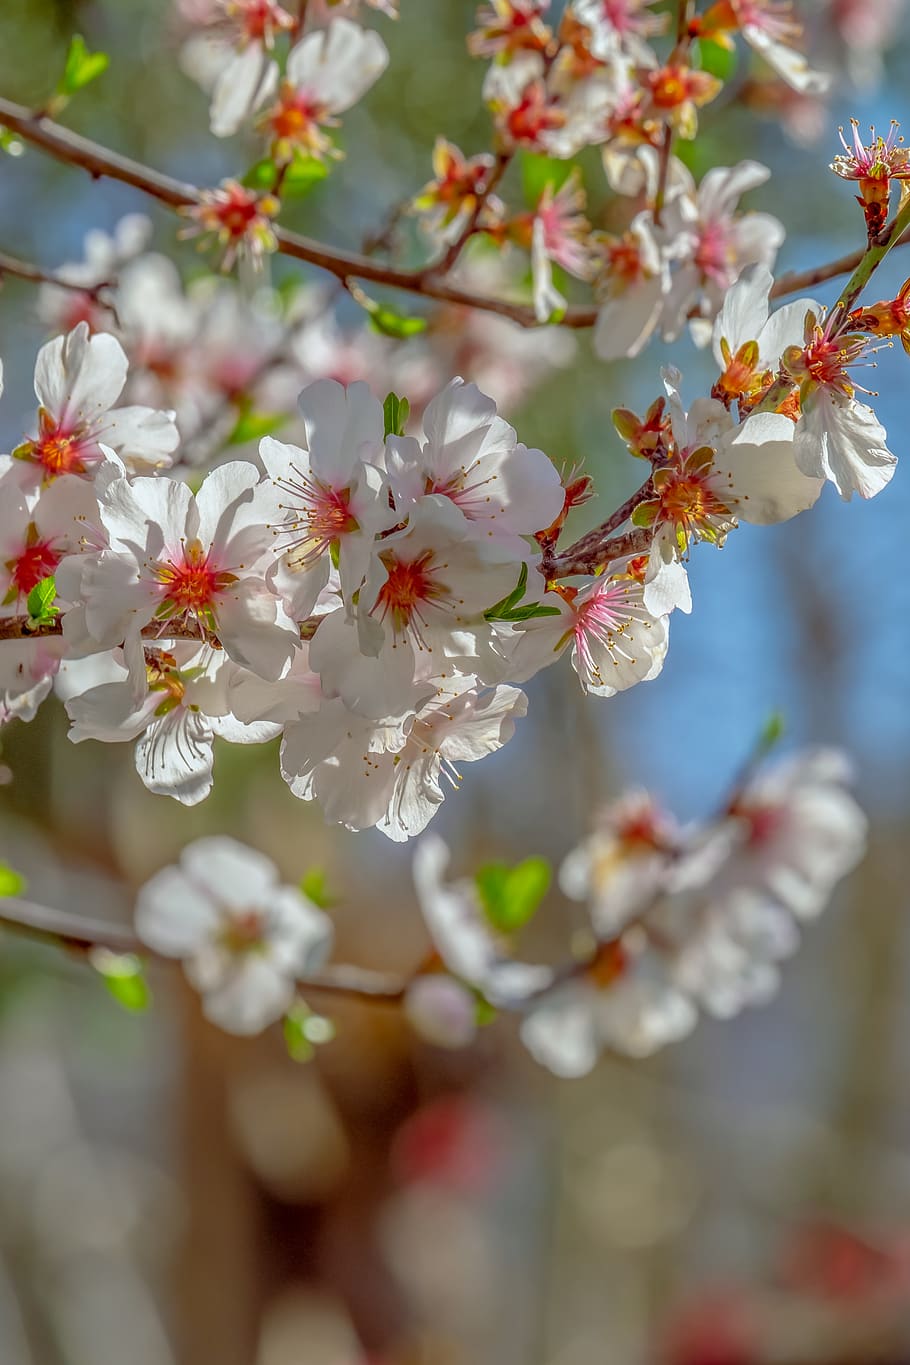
point(243, 938)
point(239, 220)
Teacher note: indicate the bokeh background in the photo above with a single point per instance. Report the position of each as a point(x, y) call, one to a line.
point(170, 1196)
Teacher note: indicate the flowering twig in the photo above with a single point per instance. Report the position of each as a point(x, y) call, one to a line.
point(587, 554)
point(82, 934)
point(99, 161)
point(497, 171)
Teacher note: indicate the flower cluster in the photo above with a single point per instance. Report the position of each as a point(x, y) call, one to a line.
point(682, 920)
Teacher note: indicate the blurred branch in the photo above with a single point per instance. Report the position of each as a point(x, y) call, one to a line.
point(23, 270)
point(99, 161)
point(81, 935)
point(497, 171)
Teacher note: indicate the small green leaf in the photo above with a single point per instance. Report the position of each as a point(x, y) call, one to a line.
point(261, 176)
point(391, 324)
point(10, 143)
point(124, 977)
point(40, 601)
point(717, 59)
point(504, 605)
point(510, 896)
point(303, 173)
point(12, 883)
point(252, 425)
point(530, 611)
point(304, 1031)
point(772, 731)
point(396, 411)
point(314, 885)
point(82, 67)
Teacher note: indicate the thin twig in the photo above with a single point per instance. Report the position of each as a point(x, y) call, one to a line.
point(24, 270)
point(82, 934)
point(589, 547)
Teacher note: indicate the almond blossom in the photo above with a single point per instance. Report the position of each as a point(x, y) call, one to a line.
point(78, 379)
point(178, 559)
point(243, 938)
point(327, 72)
point(231, 58)
point(171, 697)
point(770, 29)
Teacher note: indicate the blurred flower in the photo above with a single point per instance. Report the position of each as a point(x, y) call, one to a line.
point(244, 939)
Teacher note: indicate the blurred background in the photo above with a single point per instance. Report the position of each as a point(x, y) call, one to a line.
point(172, 1196)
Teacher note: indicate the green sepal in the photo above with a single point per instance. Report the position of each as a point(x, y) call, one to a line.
point(395, 411)
point(124, 977)
point(12, 883)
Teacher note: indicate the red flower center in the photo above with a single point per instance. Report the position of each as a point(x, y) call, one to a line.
point(36, 562)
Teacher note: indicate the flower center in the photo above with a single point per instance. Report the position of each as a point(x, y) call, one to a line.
point(714, 255)
point(320, 512)
point(57, 450)
point(244, 932)
point(409, 587)
point(37, 561)
point(191, 583)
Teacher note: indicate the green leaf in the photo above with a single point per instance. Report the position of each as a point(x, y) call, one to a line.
point(10, 143)
point(771, 731)
point(252, 425)
point(715, 58)
point(395, 410)
point(40, 601)
point(304, 1031)
point(124, 977)
point(314, 885)
point(537, 172)
point(261, 176)
point(510, 896)
point(391, 324)
point(303, 173)
point(499, 611)
point(12, 883)
point(530, 610)
point(82, 67)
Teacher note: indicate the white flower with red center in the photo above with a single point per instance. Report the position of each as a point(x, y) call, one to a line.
point(231, 58)
point(802, 830)
point(620, 26)
point(473, 457)
point(38, 528)
point(748, 343)
point(634, 280)
point(715, 243)
point(330, 493)
point(463, 936)
point(622, 866)
point(390, 773)
point(675, 92)
point(198, 562)
point(243, 937)
point(238, 219)
point(422, 605)
point(104, 255)
point(526, 112)
point(78, 379)
point(622, 1001)
point(770, 29)
point(447, 202)
point(717, 473)
point(172, 698)
point(616, 642)
point(326, 73)
point(837, 437)
point(507, 27)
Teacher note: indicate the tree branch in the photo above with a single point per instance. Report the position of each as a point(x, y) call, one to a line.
point(99, 161)
point(81, 935)
point(24, 270)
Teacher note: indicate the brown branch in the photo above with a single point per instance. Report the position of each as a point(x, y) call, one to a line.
point(497, 171)
point(637, 542)
point(589, 548)
point(24, 628)
point(81, 935)
point(98, 161)
point(24, 270)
